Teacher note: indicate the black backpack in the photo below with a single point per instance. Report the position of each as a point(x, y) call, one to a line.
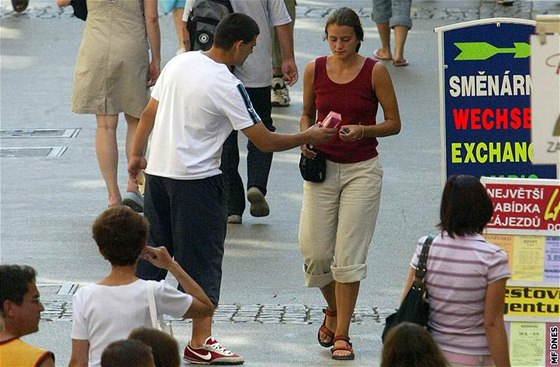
point(203, 19)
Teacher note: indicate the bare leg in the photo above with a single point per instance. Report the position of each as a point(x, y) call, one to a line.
point(201, 330)
point(132, 124)
point(346, 296)
point(385, 37)
point(108, 155)
point(178, 20)
point(328, 292)
point(401, 33)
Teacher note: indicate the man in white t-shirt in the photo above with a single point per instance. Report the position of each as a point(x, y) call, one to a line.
point(195, 105)
point(255, 75)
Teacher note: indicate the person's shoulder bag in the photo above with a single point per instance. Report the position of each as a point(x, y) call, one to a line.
point(313, 170)
point(414, 307)
point(80, 9)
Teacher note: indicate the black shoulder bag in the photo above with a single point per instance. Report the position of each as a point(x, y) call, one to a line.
point(313, 169)
point(414, 307)
point(80, 9)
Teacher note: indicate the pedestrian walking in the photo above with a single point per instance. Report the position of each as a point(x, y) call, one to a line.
point(466, 279)
point(395, 15)
point(195, 105)
point(119, 59)
point(255, 76)
point(338, 216)
point(279, 92)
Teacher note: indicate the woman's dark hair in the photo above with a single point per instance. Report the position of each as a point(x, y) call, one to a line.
point(235, 27)
point(466, 207)
point(120, 234)
point(126, 353)
point(346, 17)
point(164, 347)
point(411, 345)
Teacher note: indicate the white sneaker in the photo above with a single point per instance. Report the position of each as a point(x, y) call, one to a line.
point(279, 94)
point(211, 353)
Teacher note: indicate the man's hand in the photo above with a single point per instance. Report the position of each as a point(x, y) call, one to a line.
point(158, 256)
point(289, 71)
point(317, 135)
point(135, 166)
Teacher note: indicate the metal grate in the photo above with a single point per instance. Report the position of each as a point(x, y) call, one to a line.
point(29, 152)
point(39, 133)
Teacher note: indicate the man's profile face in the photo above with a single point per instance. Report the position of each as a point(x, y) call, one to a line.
point(244, 50)
point(27, 314)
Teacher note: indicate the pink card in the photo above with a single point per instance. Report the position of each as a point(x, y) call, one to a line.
point(332, 120)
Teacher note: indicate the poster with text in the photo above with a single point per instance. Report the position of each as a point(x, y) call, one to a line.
point(485, 91)
point(524, 206)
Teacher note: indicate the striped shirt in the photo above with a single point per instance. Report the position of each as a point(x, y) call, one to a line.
point(458, 272)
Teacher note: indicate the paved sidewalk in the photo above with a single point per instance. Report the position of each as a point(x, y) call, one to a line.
point(266, 314)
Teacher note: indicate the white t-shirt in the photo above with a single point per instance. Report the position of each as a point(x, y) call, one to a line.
point(257, 69)
point(103, 314)
point(200, 102)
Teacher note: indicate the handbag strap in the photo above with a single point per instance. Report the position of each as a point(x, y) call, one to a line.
point(423, 259)
point(152, 304)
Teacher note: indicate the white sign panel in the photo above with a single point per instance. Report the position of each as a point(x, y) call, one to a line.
point(545, 99)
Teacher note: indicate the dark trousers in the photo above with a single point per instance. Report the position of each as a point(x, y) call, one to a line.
point(258, 163)
point(188, 217)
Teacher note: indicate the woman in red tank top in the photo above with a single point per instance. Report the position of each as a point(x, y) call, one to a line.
point(338, 215)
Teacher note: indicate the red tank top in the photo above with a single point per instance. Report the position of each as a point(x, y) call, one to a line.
point(355, 101)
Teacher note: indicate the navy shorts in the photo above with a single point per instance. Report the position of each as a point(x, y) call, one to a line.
point(189, 218)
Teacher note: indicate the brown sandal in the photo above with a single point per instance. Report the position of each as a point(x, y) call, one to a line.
point(325, 330)
point(348, 347)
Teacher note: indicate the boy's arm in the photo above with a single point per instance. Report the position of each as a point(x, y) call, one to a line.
point(80, 351)
point(201, 306)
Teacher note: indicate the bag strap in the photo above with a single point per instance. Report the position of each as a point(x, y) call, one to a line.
point(152, 304)
point(423, 259)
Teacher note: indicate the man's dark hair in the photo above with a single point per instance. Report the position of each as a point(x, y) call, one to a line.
point(120, 234)
point(235, 27)
point(14, 281)
point(466, 207)
point(126, 353)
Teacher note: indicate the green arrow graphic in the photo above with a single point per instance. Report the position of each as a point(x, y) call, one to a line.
point(483, 50)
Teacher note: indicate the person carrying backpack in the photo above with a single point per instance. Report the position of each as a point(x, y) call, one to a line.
point(255, 75)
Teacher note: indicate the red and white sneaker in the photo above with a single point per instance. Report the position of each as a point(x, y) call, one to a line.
point(211, 353)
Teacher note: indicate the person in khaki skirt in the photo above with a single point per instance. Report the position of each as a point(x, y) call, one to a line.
point(119, 59)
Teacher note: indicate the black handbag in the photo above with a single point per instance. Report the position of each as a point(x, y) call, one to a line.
point(414, 307)
point(313, 170)
point(80, 9)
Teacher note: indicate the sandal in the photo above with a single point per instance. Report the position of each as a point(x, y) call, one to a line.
point(325, 330)
point(348, 347)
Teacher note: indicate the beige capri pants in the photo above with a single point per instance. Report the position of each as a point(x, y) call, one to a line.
point(337, 222)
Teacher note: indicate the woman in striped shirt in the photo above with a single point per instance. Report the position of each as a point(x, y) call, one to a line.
point(466, 279)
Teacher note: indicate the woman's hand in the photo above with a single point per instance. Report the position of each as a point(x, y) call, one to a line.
point(306, 151)
point(62, 3)
point(153, 73)
point(351, 132)
point(158, 256)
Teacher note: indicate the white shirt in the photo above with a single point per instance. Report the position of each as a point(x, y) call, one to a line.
point(103, 314)
point(200, 103)
point(257, 69)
